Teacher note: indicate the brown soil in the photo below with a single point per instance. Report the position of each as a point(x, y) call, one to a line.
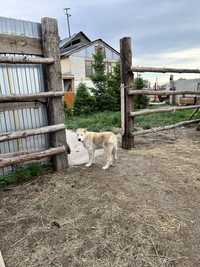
point(145, 211)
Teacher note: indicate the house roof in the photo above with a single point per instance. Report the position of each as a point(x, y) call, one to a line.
point(68, 40)
point(71, 50)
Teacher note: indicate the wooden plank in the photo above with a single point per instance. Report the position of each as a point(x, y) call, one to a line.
point(31, 97)
point(164, 128)
point(127, 81)
point(31, 156)
point(31, 132)
point(50, 41)
point(162, 92)
point(164, 70)
point(2, 263)
point(14, 44)
point(172, 88)
point(122, 110)
point(161, 110)
point(25, 60)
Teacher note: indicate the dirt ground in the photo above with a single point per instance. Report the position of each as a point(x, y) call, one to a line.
point(145, 211)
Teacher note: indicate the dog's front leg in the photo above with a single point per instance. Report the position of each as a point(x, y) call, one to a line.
point(91, 157)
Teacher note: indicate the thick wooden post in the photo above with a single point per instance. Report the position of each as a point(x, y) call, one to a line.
point(127, 82)
point(50, 41)
point(172, 88)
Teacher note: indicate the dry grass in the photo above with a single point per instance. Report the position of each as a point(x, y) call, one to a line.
point(144, 212)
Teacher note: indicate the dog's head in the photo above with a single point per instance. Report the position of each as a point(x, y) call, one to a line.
point(81, 134)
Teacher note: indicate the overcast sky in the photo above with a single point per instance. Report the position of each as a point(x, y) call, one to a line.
point(164, 32)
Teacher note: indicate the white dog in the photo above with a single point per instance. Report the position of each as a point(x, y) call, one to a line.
point(93, 141)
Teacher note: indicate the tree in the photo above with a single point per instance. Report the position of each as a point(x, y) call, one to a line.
point(104, 101)
point(114, 83)
point(140, 101)
point(84, 102)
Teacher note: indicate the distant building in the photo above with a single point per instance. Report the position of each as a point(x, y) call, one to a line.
point(77, 58)
point(185, 84)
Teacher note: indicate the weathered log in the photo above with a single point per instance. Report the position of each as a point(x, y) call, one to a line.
point(127, 81)
point(30, 132)
point(31, 97)
point(164, 128)
point(25, 60)
point(15, 44)
point(160, 110)
point(164, 70)
point(31, 156)
point(50, 41)
point(163, 92)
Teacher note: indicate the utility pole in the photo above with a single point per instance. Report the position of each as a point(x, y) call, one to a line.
point(68, 23)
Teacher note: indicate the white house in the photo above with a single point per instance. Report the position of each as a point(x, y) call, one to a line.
point(77, 57)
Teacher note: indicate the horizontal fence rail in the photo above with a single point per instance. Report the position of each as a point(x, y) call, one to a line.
point(162, 92)
point(160, 110)
point(5, 162)
point(25, 60)
point(128, 92)
point(164, 70)
point(31, 132)
point(27, 134)
point(31, 97)
point(164, 128)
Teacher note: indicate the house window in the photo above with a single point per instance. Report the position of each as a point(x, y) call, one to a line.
point(67, 83)
point(88, 68)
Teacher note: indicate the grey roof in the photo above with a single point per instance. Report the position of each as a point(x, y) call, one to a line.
point(67, 40)
point(71, 50)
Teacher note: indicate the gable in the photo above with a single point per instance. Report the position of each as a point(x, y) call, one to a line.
point(88, 50)
point(74, 41)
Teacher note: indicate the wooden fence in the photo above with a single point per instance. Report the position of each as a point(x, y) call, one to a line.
point(31, 50)
point(127, 92)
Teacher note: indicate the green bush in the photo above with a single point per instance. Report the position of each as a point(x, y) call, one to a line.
point(140, 101)
point(84, 101)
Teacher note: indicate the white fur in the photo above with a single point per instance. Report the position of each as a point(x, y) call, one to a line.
point(93, 141)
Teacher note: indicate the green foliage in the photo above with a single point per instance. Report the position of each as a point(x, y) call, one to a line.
point(101, 121)
point(105, 121)
point(114, 83)
point(104, 100)
point(140, 101)
point(84, 102)
point(24, 173)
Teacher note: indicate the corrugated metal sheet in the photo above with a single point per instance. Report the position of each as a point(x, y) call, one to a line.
point(20, 27)
point(19, 80)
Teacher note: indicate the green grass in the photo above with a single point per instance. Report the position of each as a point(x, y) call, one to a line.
point(22, 174)
point(105, 121)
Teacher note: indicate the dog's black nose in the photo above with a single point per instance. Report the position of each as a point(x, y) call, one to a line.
point(79, 140)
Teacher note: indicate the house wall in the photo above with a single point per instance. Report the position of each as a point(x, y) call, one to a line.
point(74, 65)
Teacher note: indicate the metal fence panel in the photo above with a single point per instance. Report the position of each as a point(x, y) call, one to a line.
point(18, 80)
